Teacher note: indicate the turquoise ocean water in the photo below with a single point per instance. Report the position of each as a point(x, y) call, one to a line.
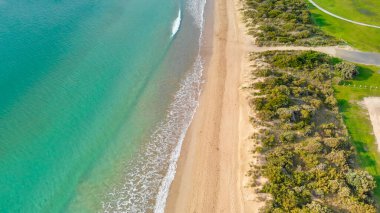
point(95, 98)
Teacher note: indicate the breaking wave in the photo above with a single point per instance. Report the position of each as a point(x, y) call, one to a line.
point(148, 179)
point(176, 24)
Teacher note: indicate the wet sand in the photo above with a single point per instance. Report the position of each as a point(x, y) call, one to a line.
point(213, 160)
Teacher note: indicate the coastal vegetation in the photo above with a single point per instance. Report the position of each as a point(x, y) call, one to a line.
point(361, 37)
point(283, 22)
point(350, 94)
point(309, 162)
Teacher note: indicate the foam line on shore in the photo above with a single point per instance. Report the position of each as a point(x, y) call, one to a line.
point(191, 83)
point(149, 176)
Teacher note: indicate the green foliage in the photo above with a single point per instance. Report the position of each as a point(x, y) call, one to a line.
point(360, 37)
point(307, 59)
point(309, 159)
point(357, 120)
point(275, 22)
point(317, 208)
point(361, 181)
point(287, 137)
point(348, 70)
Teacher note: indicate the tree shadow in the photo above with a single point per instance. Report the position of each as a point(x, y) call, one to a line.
point(377, 189)
point(319, 20)
point(335, 60)
point(364, 74)
point(344, 106)
point(365, 159)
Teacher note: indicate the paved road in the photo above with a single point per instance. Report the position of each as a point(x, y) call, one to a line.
point(358, 57)
point(341, 18)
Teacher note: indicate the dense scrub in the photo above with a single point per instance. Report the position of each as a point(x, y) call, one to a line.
point(275, 22)
point(309, 160)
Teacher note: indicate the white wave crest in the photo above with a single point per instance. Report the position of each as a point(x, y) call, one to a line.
point(148, 179)
point(176, 24)
point(193, 80)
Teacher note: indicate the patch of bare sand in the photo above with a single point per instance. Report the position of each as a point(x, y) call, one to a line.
point(373, 106)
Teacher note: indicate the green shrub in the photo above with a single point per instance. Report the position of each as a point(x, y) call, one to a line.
point(347, 70)
point(309, 160)
point(287, 137)
point(362, 182)
point(283, 22)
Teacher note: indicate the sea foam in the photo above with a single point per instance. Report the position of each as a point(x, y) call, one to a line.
point(148, 179)
point(191, 83)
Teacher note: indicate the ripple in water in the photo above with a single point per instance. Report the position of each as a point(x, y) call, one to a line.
point(150, 175)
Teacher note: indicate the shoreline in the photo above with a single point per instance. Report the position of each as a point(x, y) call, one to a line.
point(210, 171)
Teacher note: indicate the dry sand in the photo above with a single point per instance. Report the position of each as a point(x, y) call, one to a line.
point(373, 106)
point(215, 157)
point(215, 154)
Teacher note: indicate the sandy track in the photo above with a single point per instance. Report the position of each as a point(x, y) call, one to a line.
point(373, 106)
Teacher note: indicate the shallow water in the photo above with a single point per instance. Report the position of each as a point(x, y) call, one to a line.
point(95, 96)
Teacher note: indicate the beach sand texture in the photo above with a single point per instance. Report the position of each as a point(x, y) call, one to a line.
point(373, 106)
point(214, 159)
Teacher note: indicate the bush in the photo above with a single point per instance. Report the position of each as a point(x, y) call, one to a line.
point(331, 101)
point(361, 181)
point(285, 114)
point(308, 156)
point(347, 70)
point(283, 22)
point(317, 207)
point(287, 137)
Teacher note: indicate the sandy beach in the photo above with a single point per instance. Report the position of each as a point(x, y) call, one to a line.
point(214, 157)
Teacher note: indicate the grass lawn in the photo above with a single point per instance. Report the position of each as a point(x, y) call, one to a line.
point(359, 37)
point(366, 11)
point(357, 120)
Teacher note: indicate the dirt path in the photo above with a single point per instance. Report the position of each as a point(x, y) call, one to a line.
point(373, 106)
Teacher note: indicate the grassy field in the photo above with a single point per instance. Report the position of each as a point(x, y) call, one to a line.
point(357, 120)
point(360, 37)
point(351, 93)
point(366, 11)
